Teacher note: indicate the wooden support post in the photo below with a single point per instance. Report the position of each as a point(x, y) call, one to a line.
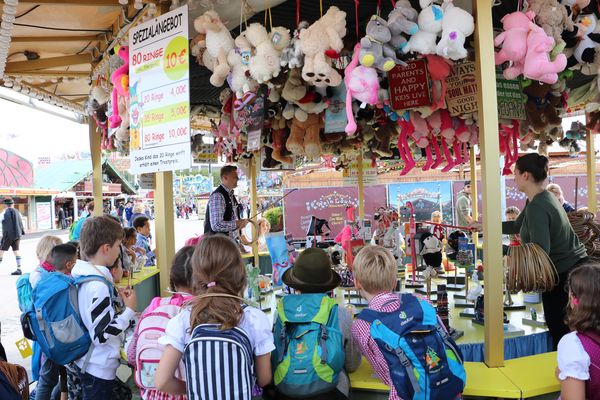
point(591, 173)
point(96, 167)
point(254, 168)
point(490, 178)
point(361, 188)
point(474, 195)
point(164, 227)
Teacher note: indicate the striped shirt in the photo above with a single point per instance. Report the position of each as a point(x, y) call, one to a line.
point(216, 205)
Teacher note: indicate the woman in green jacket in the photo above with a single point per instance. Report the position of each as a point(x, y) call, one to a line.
point(545, 223)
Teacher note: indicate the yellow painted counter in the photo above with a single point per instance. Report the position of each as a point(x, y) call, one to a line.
point(146, 284)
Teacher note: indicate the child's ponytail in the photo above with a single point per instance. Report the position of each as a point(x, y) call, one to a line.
point(217, 270)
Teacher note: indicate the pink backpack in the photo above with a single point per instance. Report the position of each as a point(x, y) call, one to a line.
point(145, 350)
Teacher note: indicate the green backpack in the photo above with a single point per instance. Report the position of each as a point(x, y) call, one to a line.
point(309, 346)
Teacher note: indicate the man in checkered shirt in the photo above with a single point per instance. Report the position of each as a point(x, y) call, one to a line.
point(222, 210)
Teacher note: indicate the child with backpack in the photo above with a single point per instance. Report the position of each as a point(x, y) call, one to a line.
point(101, 306)
point(225, 345)
point(62, 258)
point(145, 350)
point(579, 351)
point(42, 251)
point(312, 333)
point(403, 335)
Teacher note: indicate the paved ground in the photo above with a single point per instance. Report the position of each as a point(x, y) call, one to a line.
point(9, 310)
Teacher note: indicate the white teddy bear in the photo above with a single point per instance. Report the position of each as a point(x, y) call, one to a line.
point(457, 25)
point(430, 25)
point(265, 64)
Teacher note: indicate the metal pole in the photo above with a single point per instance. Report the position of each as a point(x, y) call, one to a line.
point(490, 178)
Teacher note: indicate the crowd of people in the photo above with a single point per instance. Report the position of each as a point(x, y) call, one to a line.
point(217, 345)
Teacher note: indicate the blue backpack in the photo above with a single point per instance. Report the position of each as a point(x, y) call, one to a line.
point(53, 318)
point(75, 230)
point(24, 292)
point(423, 360)
point(309, 346)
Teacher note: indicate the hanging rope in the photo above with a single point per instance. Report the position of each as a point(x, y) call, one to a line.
point(356, 4)
point(297, 13)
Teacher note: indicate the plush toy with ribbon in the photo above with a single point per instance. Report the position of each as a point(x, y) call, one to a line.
point(265, 63)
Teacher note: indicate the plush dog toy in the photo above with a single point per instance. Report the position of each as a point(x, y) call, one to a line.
point(321, 42)
point(218, 45)
point(457, 25)
point(430, 25)
point(362, 83)
point(374, 48)
point(402, 20)
point(513, 40)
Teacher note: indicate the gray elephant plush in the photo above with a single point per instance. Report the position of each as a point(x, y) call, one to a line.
point(375, 50)
point(402, 20)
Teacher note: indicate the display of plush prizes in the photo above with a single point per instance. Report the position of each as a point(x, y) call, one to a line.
point(265, 63)
point(513, 42)
point(402, 20)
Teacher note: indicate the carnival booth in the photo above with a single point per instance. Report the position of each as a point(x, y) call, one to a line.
point(277, 85)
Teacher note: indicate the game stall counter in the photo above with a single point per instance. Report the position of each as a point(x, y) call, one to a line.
point(146, 284)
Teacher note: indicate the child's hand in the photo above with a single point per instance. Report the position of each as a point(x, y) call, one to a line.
point(129, 298)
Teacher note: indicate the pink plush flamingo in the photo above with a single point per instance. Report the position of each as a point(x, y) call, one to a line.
point(120, 81)
point(406, 130)
point(449, 137)
point(435, 123)
point(420, 137)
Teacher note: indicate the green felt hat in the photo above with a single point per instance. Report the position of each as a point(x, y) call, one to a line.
point(312, 272)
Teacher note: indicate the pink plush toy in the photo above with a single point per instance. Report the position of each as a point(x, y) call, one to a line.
point(508, 145)
point(348, 231)
point(435, 124)
point(421, 137)
point(537, 64)
point(120, 81)
point(449, 138)
point(406, 130)
point(513, 40)
point(362, 84)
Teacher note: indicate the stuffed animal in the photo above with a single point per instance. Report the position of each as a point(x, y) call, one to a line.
point(439, 69)
point(541, 106)
point(552, 17)
point(218, 45)
point(120, 81)
point(265, 63)
point(279, 135)
point(457, 25)
point(383, 137)
point(320, 42)
point(302, 99)
point(406, 131)
point(374, 48)
point(292, 56)
point(304, 136)
point(239, 59)
point(509, 134)
point(448, 135)
point(434, 121)
point(362, 83)
point(585, 51)
point(402, 20)
point(421, 138)
point(513, 40)
point(537, 64)
point(431, 251)
point(430, 25)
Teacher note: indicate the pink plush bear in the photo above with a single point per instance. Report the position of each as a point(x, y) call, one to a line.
point(537, 64)
point(362, 83)
point(513, 40)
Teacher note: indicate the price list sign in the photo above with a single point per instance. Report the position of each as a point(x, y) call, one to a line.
point(159, 103)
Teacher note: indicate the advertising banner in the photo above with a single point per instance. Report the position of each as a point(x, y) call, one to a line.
point(159, 102)
point(329, 204)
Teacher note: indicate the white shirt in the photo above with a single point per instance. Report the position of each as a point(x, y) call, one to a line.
point(254, 322)
point(573, 361)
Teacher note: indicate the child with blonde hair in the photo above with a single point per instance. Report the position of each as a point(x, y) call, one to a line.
point(42, 251)
point(225, 345)
point(395, 331)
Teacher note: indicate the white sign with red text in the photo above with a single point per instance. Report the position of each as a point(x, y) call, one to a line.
point(159, 103)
